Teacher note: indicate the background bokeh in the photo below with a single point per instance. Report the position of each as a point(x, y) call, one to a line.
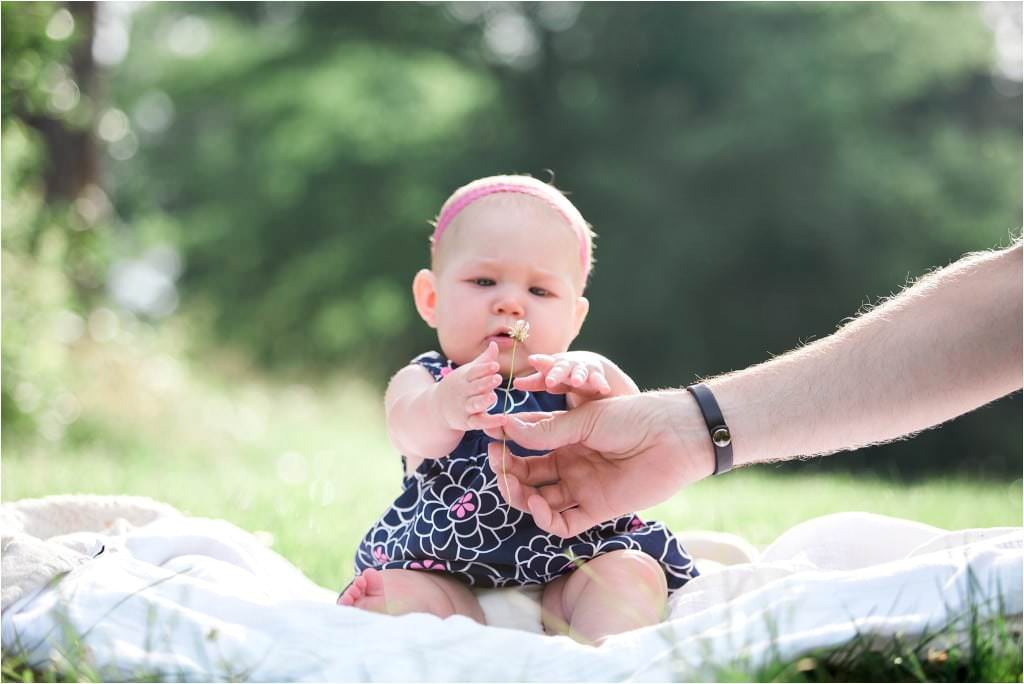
point(238, 191)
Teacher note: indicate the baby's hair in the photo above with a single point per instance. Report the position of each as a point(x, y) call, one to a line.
point(522, 184)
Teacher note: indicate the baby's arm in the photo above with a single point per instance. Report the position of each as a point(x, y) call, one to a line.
point(427, 419)
point(582, 376)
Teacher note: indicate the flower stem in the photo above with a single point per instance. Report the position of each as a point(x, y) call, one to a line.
point(506, 410)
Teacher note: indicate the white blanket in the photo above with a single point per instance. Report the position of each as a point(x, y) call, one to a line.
point(197, 599)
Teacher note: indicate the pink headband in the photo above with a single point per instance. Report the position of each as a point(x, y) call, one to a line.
point(451, 210)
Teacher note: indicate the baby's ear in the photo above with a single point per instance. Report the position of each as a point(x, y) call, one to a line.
point(424, 294)
point(580, 314)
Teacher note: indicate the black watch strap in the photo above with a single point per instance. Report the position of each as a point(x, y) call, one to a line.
point(721, 438)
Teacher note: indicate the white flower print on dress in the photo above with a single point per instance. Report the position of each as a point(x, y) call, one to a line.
point(440, 532)
point(548, 555)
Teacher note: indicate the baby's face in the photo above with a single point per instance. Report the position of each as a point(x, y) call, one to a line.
point(505, 258)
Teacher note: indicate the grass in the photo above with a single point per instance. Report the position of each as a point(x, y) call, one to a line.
point(317, 503)
point(990, 653)
point(310, 468)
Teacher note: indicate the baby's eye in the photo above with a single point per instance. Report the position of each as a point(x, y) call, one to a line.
point(483, 282)
point(540, 292)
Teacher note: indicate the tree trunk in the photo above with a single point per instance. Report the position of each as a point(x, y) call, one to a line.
point(73, 161)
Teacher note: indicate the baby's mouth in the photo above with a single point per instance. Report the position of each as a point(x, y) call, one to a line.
point(502, 339)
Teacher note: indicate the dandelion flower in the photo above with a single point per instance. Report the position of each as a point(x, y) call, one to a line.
point(519, 331)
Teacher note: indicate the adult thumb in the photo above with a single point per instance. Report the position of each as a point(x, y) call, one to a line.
point(549, 431)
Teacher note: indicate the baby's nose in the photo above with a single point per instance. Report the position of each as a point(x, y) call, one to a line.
point(509, 306)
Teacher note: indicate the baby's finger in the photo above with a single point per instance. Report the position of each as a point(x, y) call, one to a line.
point(489, 354)
point(480, 403)
point(483, 364)
point(560, 388)
point(599, 383)
point(559, 373)
point(481, 369)
point(530, 383)
point(489, 423)
point(484, 384)
point(541, 362)
point(578, 375)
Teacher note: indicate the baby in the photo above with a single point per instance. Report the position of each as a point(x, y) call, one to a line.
point(504, 249)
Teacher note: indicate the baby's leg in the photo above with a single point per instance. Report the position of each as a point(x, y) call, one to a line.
point(610, 594)
point(397, 592)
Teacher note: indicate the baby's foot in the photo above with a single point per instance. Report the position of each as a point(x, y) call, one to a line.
point(365, 592)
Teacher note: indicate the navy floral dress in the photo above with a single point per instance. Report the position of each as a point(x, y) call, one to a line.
point(450, 517)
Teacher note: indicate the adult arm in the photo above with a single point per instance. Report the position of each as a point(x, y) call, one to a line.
point(943, 347)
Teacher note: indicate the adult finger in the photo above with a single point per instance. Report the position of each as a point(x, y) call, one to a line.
point(527, 417)
point(554, 430)
point(532, 471)
point(572, 522)
point(543, 516)
point(512, 464)
point(557, 496)
point(508, 483)
point(495, 432)
point(563, 524)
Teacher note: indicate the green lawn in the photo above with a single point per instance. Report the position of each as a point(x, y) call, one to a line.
point(313, 468)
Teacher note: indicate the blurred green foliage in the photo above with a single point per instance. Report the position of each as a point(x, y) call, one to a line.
point(55, 232)
point(755, 172)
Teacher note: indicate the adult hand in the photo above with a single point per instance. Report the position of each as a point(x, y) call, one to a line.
point(607, 458)
point(945, 346)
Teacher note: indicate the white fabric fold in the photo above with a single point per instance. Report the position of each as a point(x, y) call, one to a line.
point(197, 599)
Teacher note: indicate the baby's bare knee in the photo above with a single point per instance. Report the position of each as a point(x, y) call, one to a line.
point(629, 567)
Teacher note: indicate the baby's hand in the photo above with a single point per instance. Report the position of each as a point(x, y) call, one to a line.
point(467, 392)
point(579, 373)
